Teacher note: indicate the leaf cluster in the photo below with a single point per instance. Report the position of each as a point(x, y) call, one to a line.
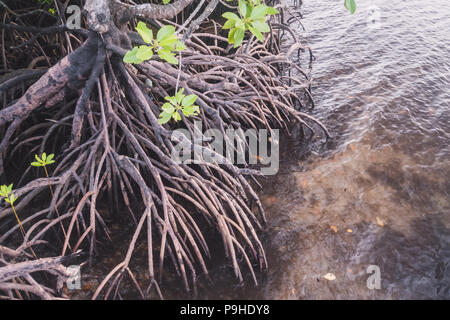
point(252, 17)
point(6, 192)
point(43, 161)
point(176, 104)
point(164, 45)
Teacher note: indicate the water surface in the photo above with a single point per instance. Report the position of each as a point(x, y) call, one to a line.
point(379, 192)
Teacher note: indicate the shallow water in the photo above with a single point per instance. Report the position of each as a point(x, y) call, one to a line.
point(379, 192)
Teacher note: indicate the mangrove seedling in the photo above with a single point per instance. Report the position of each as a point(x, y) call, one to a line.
point(164, 45)
point(253, 16)
point(175, 105)
point(44, 161)
point(10, 198)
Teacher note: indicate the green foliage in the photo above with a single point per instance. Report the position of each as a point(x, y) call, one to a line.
point(44, 160)
point(5, 192)
point(252, 17)
point(164, 45)
point(179, 102)
point(166, 1)
point(350, 5)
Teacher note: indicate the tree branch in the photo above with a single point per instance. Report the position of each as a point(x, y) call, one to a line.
point(152, 11)
point(52, 265)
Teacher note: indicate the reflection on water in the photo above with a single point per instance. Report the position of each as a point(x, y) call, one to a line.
point(379, 193)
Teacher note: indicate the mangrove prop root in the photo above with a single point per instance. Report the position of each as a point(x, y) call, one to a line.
point(100, 117)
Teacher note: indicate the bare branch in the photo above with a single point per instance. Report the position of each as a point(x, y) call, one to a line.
point(153, 11)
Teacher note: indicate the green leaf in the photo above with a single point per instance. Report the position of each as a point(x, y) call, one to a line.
point(257, 34)
point(12, 199)
point(179, 96)
point(145, 33)
point(130, 56)
point(176, 116)
point(164, 33)
point(190, 110)
point(189, 100)
point(259, 12)
point(238, 37)
point(9, 188)
point(44, 156)
point(231, 35)
point(144, 53)
point(168, 56)
point(271, 10)
point(229, 24)
point(231, 16)
point(168, 108)
point(261, 26)
point(242, 8)
point(169, 42)
point(240, 25)
point(50, 157)
point(36, 164)
point(350, 5)
point(164, 118)
point(166, 1)
point(172, 100)
point(179, 46)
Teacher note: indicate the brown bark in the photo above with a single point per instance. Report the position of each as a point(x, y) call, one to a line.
point(150, 11)
point(68, 72)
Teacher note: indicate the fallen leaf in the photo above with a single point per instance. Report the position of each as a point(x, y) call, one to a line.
point(380, 222)
point(334, 228)
point(330, 276)
point(349, 230)
point(293, 291)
